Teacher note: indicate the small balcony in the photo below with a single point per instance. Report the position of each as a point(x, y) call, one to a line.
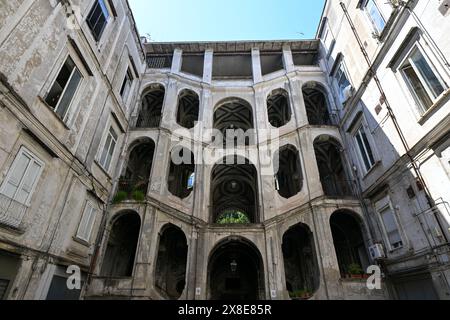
point(11, 212)
point(131, 189)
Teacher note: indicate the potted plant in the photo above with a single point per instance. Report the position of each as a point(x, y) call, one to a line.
point(355, 271)
point(120, 196)
point(138, 195)
point(300, 295)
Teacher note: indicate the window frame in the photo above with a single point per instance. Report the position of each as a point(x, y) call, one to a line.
point(421, 108)
point(92, 218)
point(105, 6)
point(370, 18)
point(55, 109)
point(380, 206)
point(361, 125)
point(23, 151)
point(101, 150)
point(128, 76)
point(341, 66)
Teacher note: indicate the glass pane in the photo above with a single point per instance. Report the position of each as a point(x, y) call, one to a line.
point(60, 83)
point(427, 73)
point(417, 87)
point(389, 220)
point(105, 151)
point(68, 94)
point(375, 16)
point(362, 151)
point(110, 154)
point(104, 9)
point(28, 182)
point(367, 145)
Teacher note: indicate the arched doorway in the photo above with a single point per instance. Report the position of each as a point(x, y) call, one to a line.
point(316, 104)
point(300, 261)
point(170, 277)
point(348, 241)
point(188, 109)
point(234, 191)
point(151, 109)
point(122, 244)
point(181, 172)
point(236, 271)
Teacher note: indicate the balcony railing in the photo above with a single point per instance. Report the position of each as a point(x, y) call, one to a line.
point(11, 211)
point(129, 189)
point(148, 122)
point(337, 188)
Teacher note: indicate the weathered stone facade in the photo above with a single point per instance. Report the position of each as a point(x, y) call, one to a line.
point(109, 197)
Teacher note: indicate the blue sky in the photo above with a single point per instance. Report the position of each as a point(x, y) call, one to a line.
point(209, 20)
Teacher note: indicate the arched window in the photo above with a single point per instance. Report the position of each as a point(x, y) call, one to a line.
point(331, 167)
point(181, 172)
point(122, 244)
point(289, 178)
point(234, 119)
point(348, 242)
point(278, 108)
point(134, 183)
point(171, 262)
point(316, 104)
point(151, 109)
point(300, 262)
point(188, 109)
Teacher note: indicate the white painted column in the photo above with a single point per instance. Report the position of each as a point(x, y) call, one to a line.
point(256, 66)
point(288, 61)
point(208, 66)
point(177, 61)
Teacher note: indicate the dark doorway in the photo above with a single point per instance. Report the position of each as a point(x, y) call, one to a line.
point(348, 241)
point(278, 108)
point(300, 261)
point(188, 109)
point(171, 262)
point(289, 176)
point(122, 244)
point(235, 272)
point(316, 105)
point(9, 265)
point(151, 109)
point(181, 173)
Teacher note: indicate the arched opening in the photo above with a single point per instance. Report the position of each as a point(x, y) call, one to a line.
point(188, 109)
point(234, 119)
point(234, 190)
point(331, 167)
point(316, 105)
point(348, 242)
point(171, 262)
point(278, 108)
point(134, 183)
point(300, 262)
point(289, 178)
point(151, 110)
point(122, 244)
point(181, 173)
point(236, 271)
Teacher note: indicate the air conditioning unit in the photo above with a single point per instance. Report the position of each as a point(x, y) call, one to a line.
point(377, 251)
point(444, 7)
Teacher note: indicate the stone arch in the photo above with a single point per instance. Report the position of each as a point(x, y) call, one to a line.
point(331, 167)
point(316, 104)
point(151, 109)
point(136, 176)
point(171, 262)
point(181, 172)
point(348, 239)
point(188, 108)
point(234, 114)
point(289, 176)
point(278, 108)
point(234, 191)
point(120, 254)
point(235, 271)
point(300, 261)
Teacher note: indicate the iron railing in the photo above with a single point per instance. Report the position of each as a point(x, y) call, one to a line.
point(11, 211)
point(148, 121)
point(337, 188)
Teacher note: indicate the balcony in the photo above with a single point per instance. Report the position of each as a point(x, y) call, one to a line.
point(11, 212)
point(131, 189)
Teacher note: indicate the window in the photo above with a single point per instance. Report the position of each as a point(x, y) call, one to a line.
point(108, 149)
point(423, 82)
point(86, 223)
point(365, 151)
point(390, 223)
point(344, 85)
point(64, 88)
point(375, 16)
point(126, 86)
point(22, 178)
point(98, 18)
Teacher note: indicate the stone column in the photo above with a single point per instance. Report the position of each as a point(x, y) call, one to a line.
point(256, 66)
point(208, 66)
point(288, 60)
point(177, 61)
